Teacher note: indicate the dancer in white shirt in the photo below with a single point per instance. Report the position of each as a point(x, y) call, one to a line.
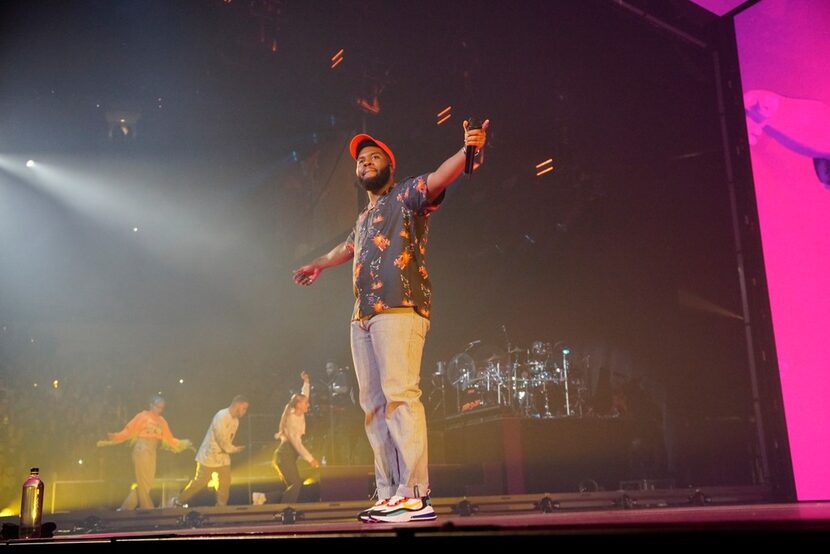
point(214, 456)
point(290, 435)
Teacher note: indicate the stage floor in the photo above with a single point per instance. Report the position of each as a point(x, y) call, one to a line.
point(813, 515)
point(756, 523)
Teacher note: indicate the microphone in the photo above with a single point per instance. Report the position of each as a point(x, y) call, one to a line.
point(470, 151)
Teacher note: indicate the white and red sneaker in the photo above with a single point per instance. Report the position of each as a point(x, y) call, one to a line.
point(365, 516)
point(401, 509)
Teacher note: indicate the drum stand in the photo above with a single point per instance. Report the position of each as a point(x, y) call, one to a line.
point(565, 353)
point(439, 388)
point(547, 401)
point(511, 371)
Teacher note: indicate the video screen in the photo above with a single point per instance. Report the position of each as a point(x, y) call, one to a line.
point(783, 47)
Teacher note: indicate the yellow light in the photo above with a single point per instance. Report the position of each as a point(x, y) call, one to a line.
point(339, 54)
point(309, 481)
point(335, 64)
point(8, 511)
point(445, 110)
point(546, 162)
point(181, 381)
point(56, 384)
point(544, 171)
point(443, 119)
point(214, 481)
point(80, 462)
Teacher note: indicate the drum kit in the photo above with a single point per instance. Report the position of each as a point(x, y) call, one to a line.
point(542, 381)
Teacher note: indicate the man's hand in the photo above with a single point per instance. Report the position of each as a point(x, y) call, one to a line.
point(304, 376)
point(238, 449)
point(760, 105)
point(314, 463)
point(476, 137)
point(306, 275)
point(182, 445)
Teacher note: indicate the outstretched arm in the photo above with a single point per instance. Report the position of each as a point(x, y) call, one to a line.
point(801, 125)
point(340, 254)
point(129, 431)
point(306, 391)
point(169, 442)
point(449, 171)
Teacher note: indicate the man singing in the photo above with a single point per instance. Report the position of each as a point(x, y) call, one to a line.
point(391, 317)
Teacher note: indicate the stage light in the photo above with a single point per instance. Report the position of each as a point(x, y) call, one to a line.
point(80, 462)
point(30, 164)
point(181, 381)
point(444, 115)
point(544, 167)
point(35, 385)
point(337, 58)
point(135, 229)
point(56, 384)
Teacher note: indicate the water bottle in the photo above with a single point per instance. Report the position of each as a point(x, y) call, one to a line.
point(31, 505)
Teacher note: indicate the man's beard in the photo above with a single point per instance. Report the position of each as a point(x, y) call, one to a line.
point(374, 184)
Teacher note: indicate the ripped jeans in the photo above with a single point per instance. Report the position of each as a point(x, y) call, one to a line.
point(387, 352)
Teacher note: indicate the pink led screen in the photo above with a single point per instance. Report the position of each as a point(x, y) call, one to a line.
point(784, 50)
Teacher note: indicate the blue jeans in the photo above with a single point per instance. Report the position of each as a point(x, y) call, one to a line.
point(387, 353)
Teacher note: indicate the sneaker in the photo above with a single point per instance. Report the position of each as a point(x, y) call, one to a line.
point(400, 509)
point(365, 516)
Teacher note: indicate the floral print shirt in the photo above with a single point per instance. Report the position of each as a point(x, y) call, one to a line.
point(389, 243)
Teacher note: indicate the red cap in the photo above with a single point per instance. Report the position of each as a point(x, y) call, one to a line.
point(357, 140)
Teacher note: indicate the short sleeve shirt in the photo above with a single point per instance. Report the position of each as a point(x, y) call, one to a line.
point(389, 243)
